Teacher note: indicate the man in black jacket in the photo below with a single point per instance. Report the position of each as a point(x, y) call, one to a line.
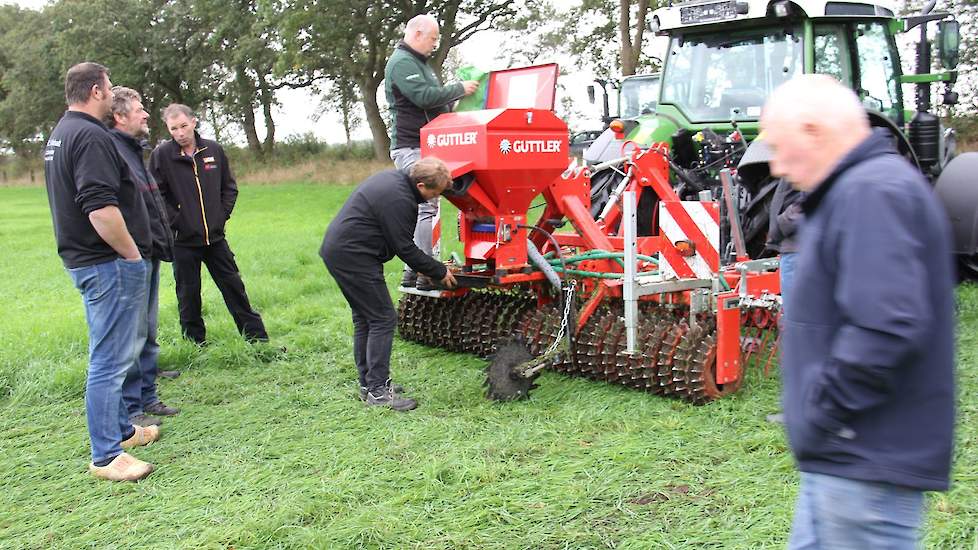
point(102, 230)
point(199, 191)
point(128, 127)
point(375, 224)
point(868, 346)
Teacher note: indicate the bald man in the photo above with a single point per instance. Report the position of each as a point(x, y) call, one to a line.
point(868, 342)
point(416, 97)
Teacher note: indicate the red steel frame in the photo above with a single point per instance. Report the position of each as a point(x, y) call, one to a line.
point(503, 187)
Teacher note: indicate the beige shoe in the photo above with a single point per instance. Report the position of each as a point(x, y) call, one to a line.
point(124, 467)
point(144, 436)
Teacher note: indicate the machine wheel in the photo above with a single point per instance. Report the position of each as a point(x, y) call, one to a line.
point(695, 365)
point(502, 383)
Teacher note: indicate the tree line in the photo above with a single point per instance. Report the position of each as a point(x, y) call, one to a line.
point(229, 59)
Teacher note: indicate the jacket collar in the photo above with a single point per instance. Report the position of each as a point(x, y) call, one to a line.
point(403, 45)
point(411, 186)
point(178, 153)
point(130, 141)
point(83, 116)
point(879, 142)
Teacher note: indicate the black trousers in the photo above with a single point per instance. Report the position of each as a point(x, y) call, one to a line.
point(220, 263)
point(374, 321)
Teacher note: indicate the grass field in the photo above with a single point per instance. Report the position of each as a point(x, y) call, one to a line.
point(273, 450)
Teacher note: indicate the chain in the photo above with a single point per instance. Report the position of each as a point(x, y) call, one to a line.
point(569, 291)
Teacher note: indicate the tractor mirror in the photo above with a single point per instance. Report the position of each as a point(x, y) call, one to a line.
point(949, 41)
point(590, 93)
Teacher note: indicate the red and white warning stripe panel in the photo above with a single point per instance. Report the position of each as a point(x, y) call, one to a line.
point(692, 222)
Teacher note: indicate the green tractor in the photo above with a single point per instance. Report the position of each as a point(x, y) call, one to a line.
point(725, 57)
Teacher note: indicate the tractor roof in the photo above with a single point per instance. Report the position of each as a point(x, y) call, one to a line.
point(713, 12)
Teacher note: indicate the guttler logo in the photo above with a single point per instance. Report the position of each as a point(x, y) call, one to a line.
point(529, 146)
point(448, 140)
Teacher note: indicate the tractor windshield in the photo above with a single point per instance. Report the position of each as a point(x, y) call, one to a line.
point(727, 76)
point(638, 96)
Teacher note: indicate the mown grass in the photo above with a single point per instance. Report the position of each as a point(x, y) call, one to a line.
point(273, 450)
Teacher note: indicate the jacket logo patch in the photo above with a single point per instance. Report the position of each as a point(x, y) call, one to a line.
point(208, 167)
point(414, 76)
point(208, 159)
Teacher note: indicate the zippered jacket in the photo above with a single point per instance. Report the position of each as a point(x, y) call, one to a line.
point(868, 342)
point(415, 95)
point(199, 191)
point(375, 224)
point(131, 151)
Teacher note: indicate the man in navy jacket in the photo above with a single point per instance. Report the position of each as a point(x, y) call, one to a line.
point(127, 127)
point(868, 343)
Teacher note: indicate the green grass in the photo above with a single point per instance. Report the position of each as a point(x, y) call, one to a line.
point(273, 451)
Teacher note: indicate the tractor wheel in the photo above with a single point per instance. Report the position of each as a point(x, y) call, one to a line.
point(756, 217)
point(968, 268)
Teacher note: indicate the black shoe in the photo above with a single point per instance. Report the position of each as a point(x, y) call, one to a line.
point(145, 420)
point(409, 279)
point(425, 283)
point(171, 374)
point(161, 409)
point(396, 388)
point(384, 397)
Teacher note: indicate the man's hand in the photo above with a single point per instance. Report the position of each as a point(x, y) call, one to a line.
point(449, 280)
point(110, 225)
point(470, 87)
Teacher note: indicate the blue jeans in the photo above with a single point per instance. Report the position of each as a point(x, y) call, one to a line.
point(839, 513)
point(139, 388)
point(114, 294)
point(787, 271)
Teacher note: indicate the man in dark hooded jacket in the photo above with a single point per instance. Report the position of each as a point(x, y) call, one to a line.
point(868, 341)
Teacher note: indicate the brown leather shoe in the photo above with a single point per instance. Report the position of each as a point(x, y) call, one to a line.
point(124, 467)
point(144, 436)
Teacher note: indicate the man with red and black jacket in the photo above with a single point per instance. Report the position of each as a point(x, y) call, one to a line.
point(199, 191)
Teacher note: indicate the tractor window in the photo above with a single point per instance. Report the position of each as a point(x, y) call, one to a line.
point(832, 54)
point(638, 96)
point(721, 76)
point(878, 80)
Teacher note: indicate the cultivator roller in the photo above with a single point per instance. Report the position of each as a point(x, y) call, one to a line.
point(579, 292)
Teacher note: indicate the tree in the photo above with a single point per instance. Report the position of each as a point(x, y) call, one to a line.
point(356, 51)
point(31, 85)
point(158, 47)
point(617, 23)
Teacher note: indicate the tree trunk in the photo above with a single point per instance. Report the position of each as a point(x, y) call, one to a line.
point(246, 94)
point(345, 109)
point(625, 35)
point(250, 132)
point(267, 98)
point(378, 130)
point(631, 48)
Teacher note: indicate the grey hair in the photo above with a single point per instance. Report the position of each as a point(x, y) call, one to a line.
point(176, 109)
point(122, 102)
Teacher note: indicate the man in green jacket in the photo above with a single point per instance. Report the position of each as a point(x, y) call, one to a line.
point(416, 97)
